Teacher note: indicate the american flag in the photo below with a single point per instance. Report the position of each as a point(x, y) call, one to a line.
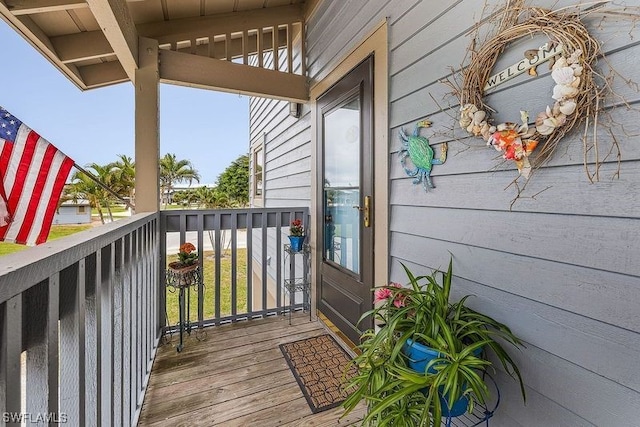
point(33, 174)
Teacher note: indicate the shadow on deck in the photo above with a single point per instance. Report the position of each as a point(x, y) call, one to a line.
point(236, 376)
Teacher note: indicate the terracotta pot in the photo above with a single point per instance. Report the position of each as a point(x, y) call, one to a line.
point(177, 267)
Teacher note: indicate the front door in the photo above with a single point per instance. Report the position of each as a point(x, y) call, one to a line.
point(345, 190)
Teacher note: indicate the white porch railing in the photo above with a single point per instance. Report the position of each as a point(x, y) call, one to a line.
point(79, 326)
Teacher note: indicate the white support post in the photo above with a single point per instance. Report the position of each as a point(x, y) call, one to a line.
point(147, 153)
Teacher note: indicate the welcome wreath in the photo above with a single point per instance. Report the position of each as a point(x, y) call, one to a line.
point(575, 94)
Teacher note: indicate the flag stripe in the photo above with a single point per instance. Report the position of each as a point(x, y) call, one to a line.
point(12, 166)
point(33, 175)
point(36, 229)
point(36, 197)
point(7, 147)
point(20, 210)
point(21, 163)
point(5, 213)
point(58, 186)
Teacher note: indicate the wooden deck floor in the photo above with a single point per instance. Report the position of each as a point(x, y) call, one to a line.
point(236, 376)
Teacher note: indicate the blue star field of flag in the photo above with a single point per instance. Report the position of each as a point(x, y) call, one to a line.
point(8, 125)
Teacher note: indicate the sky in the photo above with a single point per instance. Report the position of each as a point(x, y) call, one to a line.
point(211, 129)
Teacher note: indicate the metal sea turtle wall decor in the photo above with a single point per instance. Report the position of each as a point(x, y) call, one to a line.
point(418, 150)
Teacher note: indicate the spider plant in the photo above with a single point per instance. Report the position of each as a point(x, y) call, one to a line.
point(396, 394)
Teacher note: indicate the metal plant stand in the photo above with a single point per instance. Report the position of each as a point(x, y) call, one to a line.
point(294, 284)
point(481, 413)
point(182, 280)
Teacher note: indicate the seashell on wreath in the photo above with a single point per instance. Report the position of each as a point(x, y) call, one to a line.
point(571, 50)
point(518, 142)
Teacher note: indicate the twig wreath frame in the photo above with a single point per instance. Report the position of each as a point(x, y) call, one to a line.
point(577, 97)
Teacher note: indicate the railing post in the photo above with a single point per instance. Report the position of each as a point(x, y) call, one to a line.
point(118, 342)
point(263, 276)
point(72, 344)
point(97, 330)
point(53, 345)
point(201, 262)
point(279, 303)
point(249, 261)
point(106, 327)
point(217, 251)
point(126, 330)
point(10, 349)
point(234, 262)
point(161, 289)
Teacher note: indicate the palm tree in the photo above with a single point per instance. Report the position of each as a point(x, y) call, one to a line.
point(84, 187)
point(211, 198)
point(123, 176)
point(184, 197)
point(173, 171)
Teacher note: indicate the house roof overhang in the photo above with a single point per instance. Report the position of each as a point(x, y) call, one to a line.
point(214, 44)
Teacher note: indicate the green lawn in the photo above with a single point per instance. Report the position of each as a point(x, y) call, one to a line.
point(173, 207)
point(209, 290)
point(114, 209)
point(57, 231)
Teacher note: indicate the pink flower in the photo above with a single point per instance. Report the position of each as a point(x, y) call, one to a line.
point(399, 301)
point(382, 294)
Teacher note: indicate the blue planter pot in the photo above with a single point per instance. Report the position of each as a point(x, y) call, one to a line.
point(419, 357)
point(296, 243)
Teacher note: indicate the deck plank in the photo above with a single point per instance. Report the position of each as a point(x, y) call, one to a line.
point(236, 376)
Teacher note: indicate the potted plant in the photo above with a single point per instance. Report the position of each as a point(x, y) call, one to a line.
point(296, 235)
point(187, 258)
point(398, 382)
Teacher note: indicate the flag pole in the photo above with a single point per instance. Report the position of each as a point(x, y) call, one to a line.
point(103, 186)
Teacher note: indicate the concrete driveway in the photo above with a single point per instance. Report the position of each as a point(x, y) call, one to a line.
point(173, 240)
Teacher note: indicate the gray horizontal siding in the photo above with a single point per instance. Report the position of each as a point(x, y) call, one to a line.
point(416, 91)
point(339, 26)
point(287, 167)
point(563, 190)
point(286, 146)
point(568, 362)
point(560, 264)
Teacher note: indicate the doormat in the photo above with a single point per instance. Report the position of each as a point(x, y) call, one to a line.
point(319, 364)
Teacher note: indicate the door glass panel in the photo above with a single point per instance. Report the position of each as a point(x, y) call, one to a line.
point(342, 185)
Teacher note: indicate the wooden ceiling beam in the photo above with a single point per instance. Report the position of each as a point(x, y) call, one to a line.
point(210, 73)
point(205, 26)
point(33, 34)
point(82, 46)
point(103, 74)
point(29, 7)
point(118, 27)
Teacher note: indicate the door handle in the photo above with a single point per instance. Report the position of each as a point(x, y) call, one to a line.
point(365, 210)
point(367, 206)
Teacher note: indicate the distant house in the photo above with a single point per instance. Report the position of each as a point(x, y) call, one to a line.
point(70, 212)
